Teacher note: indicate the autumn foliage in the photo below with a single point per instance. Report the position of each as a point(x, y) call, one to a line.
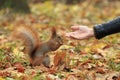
point(89, 59)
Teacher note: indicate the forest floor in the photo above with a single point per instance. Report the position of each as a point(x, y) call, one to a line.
point(81, 59)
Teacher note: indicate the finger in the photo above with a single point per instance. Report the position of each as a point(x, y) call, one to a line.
point(68, 34)
point(77, 36)
point(75, 28)
point(80, 27)
point(74, 36)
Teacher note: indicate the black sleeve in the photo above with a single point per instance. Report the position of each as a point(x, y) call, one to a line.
point(110, 27)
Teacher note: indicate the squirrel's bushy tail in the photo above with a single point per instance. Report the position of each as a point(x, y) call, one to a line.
point(28, 36)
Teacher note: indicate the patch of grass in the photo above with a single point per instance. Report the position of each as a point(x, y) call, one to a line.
point(114, 66)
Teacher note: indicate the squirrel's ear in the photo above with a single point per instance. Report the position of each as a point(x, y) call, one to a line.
point(54, 32)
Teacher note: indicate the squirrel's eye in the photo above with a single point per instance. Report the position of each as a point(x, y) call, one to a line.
point(59, 37)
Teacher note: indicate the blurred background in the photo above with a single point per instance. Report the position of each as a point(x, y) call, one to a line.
point(58, 12)
point(91, 56)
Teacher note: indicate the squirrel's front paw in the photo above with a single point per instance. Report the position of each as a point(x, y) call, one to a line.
point(46, 61)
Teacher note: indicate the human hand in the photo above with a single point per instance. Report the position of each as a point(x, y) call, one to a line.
point(80, 32)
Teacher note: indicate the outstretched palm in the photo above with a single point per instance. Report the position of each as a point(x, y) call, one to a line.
point(80, 32)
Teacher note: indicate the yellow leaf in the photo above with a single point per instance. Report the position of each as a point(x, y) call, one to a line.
point(1, 78)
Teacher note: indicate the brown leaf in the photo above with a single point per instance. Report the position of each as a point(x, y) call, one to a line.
point(71, 77)
point(53, 70)
point(83, 52)
point(5, 74)
point(7, 65)
point(56, 59)
point(19, 67)
point(101, 71)
point(59, 58)
point(33, 73)
point(48, 78)
point(88, 61)
point(63, 55)
point(25, 78)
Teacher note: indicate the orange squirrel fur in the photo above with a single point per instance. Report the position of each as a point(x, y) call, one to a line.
point(37, 50)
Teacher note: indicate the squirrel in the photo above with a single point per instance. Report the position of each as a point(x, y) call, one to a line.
point(36, 49)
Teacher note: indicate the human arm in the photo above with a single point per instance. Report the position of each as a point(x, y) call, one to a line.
point(110, 27)
point(99, 31)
